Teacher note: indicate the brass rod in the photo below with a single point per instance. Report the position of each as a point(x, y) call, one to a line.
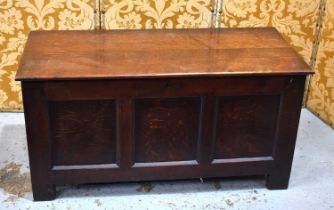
point(315, 47)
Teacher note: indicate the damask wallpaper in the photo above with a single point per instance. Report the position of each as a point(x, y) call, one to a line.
point(295, 19)
point(17, 19)
point(321, 91)
point(148, 14)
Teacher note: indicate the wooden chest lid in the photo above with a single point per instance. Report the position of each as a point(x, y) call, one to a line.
point(67, 55)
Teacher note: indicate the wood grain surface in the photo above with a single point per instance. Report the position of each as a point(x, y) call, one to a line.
point(132, 106)
point(52, 55)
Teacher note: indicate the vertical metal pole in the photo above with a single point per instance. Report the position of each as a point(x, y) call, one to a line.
point(220, 13)
point(315, 47)
point(213, 13)
point(95, 14)
point(103, 16)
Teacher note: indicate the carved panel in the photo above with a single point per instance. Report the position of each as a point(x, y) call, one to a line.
point(246, 126)
point(83, 132)
point(166, 129)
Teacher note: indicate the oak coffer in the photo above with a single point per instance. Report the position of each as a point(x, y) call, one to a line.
point(159, 104)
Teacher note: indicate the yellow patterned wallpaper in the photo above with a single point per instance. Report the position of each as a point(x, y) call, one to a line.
point(321, 91)
point(148, 14)
point(17, 18)
point(295, 19)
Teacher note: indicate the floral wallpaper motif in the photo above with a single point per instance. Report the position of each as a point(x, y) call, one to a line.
point(17, 19)
point(321, 91)
point(295, 19)
point(139, 14)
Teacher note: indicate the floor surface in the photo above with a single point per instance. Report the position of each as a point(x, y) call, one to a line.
point(311, 182)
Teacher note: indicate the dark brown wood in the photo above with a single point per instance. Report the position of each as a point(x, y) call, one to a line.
point(244, 126)
point(154, 53)
point(166, 129)
point(83, 127)
point(125, 123)
point(286, 133)
point(39, 140)
point(117, 121)
point(206, 144)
